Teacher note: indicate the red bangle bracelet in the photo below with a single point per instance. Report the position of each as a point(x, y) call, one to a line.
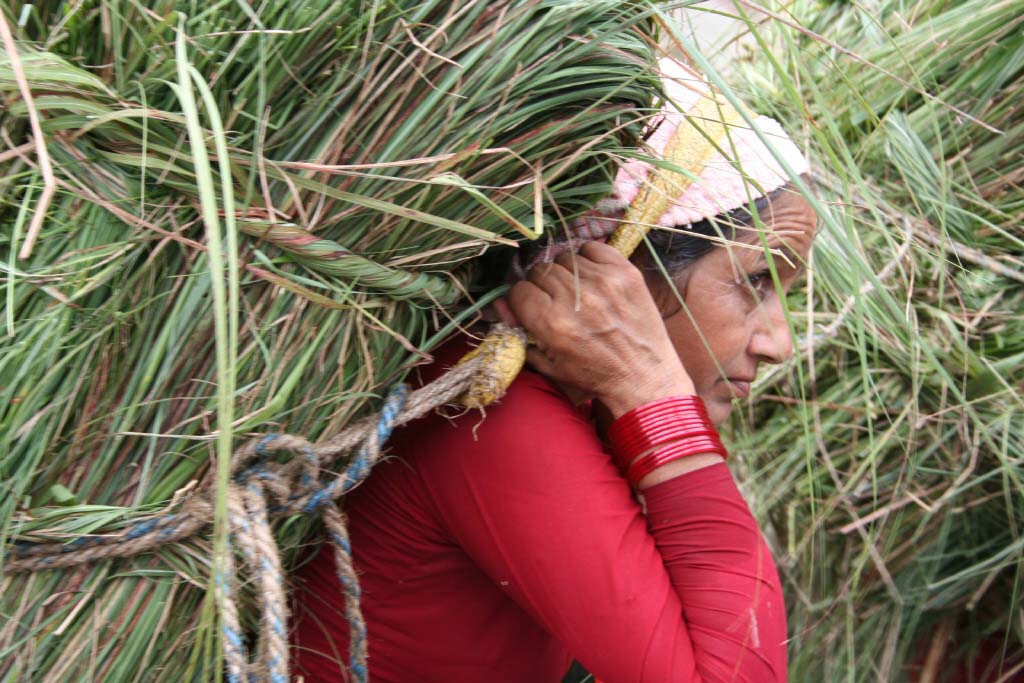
point(682, 449)
point(646, 418)
point(652, 425)
point(654, 411)
point(671, 430)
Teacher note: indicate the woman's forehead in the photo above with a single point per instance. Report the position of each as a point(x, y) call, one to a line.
point(784, 236)
point(789, 221)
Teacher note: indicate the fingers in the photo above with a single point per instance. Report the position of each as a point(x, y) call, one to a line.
point(566, 273)
point(527, 302)
point(577, 264)
point(578, 280)
point(594, 266)
point(504, 313)
point(539, 361)
point(550, 318)
point(599, 252)
point(559, 279)
point(577, 290)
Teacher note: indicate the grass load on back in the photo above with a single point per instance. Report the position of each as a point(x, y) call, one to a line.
point(249, 220)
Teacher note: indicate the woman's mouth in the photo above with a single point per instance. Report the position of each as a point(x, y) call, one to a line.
point(740, 388)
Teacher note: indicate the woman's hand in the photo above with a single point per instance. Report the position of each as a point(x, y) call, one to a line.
point(597, 329)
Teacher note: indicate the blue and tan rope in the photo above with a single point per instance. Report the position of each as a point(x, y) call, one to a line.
point(262, 488)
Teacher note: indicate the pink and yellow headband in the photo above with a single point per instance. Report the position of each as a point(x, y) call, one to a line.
point(716, 161)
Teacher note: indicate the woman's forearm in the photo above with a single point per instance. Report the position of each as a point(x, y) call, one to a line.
point(732, 613)
point(723, 573)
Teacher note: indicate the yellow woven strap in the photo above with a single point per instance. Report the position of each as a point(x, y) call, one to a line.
point(693, 143)
point(691, 146)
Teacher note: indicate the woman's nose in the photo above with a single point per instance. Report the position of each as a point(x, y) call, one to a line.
point(770, 341)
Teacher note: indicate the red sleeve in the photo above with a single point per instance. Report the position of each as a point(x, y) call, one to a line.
point(724, 574)
point(686, 593)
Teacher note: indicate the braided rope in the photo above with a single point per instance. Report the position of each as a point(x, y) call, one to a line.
point(273, 624)
point(292, 484)
point(337, 529)
point(235, 655)
point(329, 257)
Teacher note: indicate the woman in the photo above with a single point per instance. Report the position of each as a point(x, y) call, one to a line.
point(590, 514)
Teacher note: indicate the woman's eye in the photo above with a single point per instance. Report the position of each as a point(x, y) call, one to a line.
point(760, 282)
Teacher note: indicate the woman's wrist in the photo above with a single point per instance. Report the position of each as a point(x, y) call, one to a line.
point(678, 468)
point(638, 392)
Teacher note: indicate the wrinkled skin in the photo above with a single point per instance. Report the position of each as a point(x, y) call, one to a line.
point(607, 332)
point(736, 306)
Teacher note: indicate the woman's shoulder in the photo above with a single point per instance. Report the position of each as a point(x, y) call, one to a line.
point(511, 460)
point(533, 413)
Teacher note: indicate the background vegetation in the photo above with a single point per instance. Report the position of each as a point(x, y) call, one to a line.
point(362, 155)
point(889, 457)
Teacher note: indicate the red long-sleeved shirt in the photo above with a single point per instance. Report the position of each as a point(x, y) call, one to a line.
point(497, 549)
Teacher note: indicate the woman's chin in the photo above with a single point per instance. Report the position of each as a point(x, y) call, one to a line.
point(718, 409)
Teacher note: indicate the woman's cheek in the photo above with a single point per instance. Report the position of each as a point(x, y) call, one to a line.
point(731, 299)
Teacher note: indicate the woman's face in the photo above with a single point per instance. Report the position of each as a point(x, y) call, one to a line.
point(733, 319)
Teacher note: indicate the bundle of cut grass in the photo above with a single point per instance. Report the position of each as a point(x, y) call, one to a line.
point(249, 219)
point(890, 457)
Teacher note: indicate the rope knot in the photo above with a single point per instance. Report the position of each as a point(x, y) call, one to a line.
point(287, 484)
point(261, 485)
point(502, 354)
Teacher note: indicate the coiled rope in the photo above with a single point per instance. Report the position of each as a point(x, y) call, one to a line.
point(261, 487)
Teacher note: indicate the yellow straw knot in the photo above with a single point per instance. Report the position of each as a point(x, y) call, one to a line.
point(503, 354)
